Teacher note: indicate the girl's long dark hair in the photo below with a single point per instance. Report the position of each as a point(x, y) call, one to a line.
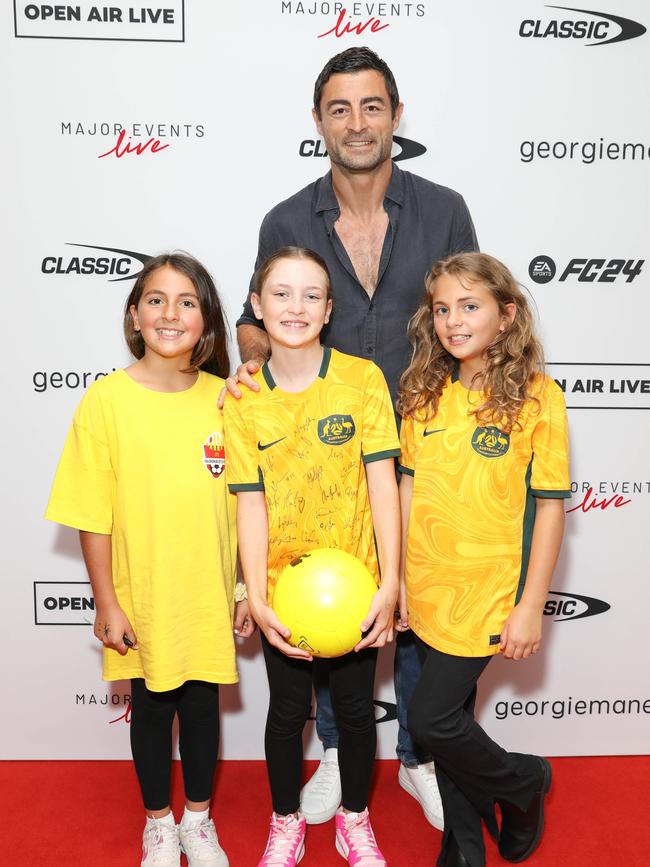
point(211, 352)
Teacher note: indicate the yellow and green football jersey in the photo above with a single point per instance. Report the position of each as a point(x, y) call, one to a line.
point(307, 452)
point(472, 513)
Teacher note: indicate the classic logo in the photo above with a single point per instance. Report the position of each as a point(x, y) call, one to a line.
point(427, 433)
point(101, 21)
point(542, 269)
point(63, 603)
point(336, 429)
point(126, 264)
point(388, 709)
point(490, 441)
point(214, 456)
point(570, 606)
point(602, 28)
point(407, 148)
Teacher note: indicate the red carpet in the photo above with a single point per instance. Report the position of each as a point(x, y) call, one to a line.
point(88, 814)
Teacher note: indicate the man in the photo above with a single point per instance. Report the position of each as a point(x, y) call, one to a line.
point(379, 230)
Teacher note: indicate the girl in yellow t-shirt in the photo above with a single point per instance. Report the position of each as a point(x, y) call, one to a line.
point(142, 478)
point(484, 463)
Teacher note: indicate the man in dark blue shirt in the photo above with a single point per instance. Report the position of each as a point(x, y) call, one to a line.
point(424, 222)
point(379, 229)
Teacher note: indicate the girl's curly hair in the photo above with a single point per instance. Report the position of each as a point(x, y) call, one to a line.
point(513, 361)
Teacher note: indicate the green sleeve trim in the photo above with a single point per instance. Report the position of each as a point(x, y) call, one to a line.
point(406, 470)
point(380, 456)
point(551, 495)
point(253, 486)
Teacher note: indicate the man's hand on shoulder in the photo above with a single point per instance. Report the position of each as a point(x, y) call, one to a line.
point(242, 376)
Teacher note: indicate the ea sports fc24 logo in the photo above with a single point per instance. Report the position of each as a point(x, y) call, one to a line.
point(336, 429)
point(490, 442)
point(542, 269)
point(214, 456)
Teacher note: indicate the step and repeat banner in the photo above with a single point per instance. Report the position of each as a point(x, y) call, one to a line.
point(133, 129)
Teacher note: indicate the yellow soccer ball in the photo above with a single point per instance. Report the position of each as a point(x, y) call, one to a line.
point(323, 597)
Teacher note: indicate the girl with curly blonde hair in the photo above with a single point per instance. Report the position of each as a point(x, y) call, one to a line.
point(484, 463)
point(511, 362)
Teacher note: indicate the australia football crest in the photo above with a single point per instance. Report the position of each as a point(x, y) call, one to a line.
point(214, 455)
point(490, 442)
point(336, 429)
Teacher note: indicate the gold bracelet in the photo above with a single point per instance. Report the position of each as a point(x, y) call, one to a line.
point(241, 594)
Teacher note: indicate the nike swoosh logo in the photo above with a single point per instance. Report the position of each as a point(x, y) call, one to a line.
point(268, 445)
point(427, 433)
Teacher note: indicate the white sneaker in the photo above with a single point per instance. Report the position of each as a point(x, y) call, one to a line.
point(200, 843)
point(160, 844)
point(321, 796)
point(420, 782)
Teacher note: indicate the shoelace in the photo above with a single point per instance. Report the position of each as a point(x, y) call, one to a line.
point(283, 838)
point(431, 782)
point(325, 776)
point(163, 841)
point(199, 833)
point(361, 838)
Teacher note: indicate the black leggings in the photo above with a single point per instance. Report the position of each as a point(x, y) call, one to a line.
point(352, 680)
point(152, 715)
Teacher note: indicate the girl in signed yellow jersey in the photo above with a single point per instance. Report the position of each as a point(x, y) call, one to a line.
point(484, 464)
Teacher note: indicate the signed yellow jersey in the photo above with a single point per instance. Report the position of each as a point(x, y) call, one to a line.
point(307, 452)
point(148, 469)
point(472, 513)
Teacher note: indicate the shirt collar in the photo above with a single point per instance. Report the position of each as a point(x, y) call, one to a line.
point(326, 199)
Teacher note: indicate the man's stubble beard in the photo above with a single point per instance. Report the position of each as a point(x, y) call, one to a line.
point(365, 163)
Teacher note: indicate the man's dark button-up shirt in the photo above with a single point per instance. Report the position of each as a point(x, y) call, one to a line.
point(426, 222)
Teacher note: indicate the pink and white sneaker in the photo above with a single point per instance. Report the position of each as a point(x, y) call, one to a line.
point(355, 840)
point(286, 843)
point(160, 846)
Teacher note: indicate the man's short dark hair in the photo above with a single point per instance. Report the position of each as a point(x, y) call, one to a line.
point(355, 60)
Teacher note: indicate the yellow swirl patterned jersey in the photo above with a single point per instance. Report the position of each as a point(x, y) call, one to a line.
point(307, 452)
point(473, 511)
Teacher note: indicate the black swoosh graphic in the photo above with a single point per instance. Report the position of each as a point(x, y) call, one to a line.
point(428, 433)
point(141, 257)
point(268, 445)
point(594, 606)
point(629, 29)
point(409, 148)
point(389, 708)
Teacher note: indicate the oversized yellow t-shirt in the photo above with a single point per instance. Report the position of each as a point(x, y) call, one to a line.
point(307, 452)
point(472, 513)
point(148, 468)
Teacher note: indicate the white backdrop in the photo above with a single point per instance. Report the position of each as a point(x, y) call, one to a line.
point(546, 136)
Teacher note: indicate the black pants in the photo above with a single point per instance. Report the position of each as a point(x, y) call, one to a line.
point(473, 771)
point(152, 715)
point(352, 680)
